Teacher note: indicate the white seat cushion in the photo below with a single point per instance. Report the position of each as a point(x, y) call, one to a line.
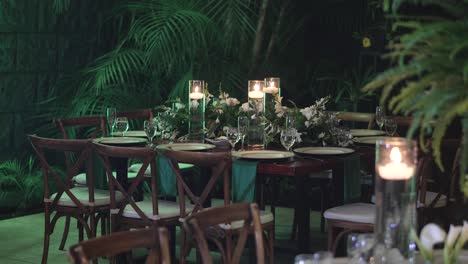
point(355, 212)
point(101, 197)
point(80, 179)
point(265, 217)
point(137, 166)
point(430, 196)
point(167, 209)
point(326, 174)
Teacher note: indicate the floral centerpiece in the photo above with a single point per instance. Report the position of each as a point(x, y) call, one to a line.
point(312, 123)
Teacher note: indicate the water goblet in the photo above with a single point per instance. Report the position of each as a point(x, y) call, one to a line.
point(243, 126)
point(121, 125)
point(233, 135)
point(365, 246)
point(379, 116)
point(288, 138)
point(150, 128)
point(290, 121)
point(390, 126)
point(111, 114)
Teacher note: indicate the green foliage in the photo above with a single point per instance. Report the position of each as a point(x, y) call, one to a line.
point(350, 85)
point(22, 177)
point(430, 71)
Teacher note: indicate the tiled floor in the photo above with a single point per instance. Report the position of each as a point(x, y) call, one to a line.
point(21, 238)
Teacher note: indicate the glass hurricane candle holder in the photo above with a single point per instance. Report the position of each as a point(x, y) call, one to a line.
point(196, 104)
point(256, 128)
point(271, 90)
point(395, 169)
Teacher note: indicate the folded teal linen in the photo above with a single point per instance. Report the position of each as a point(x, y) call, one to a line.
point(243, 180)
point(352, 178)
point(167, 179)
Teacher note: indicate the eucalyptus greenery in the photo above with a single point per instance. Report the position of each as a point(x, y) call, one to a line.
point(429, 79)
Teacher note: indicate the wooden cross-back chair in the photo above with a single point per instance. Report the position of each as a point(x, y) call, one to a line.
point(82, 203)
point(357, 117)
point(129, 213)
point(220, 164)
point(207, 222)
point(136, 116)
point(154, 239)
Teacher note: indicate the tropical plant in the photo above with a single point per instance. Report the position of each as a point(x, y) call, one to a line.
point(429, 79)
point(350, 85)
point(24, 178)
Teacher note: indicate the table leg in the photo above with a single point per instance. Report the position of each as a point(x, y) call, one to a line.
point(121, 167)
point(303, 215)
point(338, 183)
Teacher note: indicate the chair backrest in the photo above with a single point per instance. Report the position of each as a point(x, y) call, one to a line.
point(357, 117)
point(147, 156)
point(96, 122)
point(206, 222)
point(145, 114)
point(82, 149)
point(154, 239)
point(220, 165)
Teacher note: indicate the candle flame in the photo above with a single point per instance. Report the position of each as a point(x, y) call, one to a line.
point(395, 155)
point(196, 89)
point(272, 84)
point(257, 87)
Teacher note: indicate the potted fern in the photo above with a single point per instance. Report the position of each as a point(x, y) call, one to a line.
point(429, 79)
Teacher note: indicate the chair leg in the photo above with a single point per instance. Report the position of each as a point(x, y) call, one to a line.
point(45, 250)
point(294, 226)
point(331, 236)
point(271, 245)
point(183, 245)
point(65, 232)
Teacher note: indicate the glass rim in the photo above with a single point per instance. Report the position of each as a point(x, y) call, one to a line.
point(396, 141)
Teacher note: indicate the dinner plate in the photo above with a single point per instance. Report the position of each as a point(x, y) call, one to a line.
point(323, 150)
point(120, 140)
point(131, 133)
point(368, 140)
point(186, 146)
point(263, 154)
point(365, 132)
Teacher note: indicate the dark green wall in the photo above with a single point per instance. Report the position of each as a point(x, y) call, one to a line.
point(37, 48)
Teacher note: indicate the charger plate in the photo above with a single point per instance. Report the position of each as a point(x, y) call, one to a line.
point(186, 146)
point(263, 154)
point(368, 140)
point(365, 132)
point(120, 140)
point(323, 151)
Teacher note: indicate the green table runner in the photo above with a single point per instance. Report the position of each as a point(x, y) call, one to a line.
point(243, 180)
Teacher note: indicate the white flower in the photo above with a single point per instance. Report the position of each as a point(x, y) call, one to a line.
point(245, 107)
point(179, 106)
point(217, 120)
point(307, 112)
point(232, 101)
point(431, 234)
point(464, 232)
point(321, 135)
point(223, 96)
point(208, 98)
point(253, 116)
point(307, 124)
point(452, 235)
point(298, 136)
point(194, 104)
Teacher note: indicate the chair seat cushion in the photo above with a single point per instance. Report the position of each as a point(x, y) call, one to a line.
point(80, 179)
point(355, 212)
point(167, 209)
point(265, 217)
point(101, 197)
point(137, 166)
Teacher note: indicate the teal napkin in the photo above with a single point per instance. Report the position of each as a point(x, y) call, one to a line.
point(167, 179)
point(352, 178)
point(243, 180)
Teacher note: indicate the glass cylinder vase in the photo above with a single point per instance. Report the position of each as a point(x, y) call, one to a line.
point(196, 104)
point(395, 196)
point(271, 90)
point(256, 129)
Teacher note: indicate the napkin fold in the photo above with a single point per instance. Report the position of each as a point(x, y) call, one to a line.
point(243, 180)
point(167, 179)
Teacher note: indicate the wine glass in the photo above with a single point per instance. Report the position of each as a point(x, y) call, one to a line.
point(111, 114)
point(150, 128)
point(379, 116)
point(243, 126)
point(390, 126)
point(352, 245)
point(163, 123)
point(121, 125)
point(290, 122)
point(288, 137)
point(362, 247)
point(233, 135)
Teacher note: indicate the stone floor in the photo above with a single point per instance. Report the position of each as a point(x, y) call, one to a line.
point(21, 238)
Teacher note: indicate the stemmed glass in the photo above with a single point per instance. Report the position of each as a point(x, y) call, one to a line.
point(150, 128)
point(288, 138)
point(242, 126)
point(163, 119)
point(390, 126)
point(360, 248)
point(111, 114)
point(379, 116)
point(121, 125)
point(233, 135)
point(320, 257)
point(290, 122)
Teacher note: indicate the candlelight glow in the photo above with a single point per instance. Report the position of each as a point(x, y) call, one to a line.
point(395, 155)
point(196, 89)
point(256, 87)
point(395, 169)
